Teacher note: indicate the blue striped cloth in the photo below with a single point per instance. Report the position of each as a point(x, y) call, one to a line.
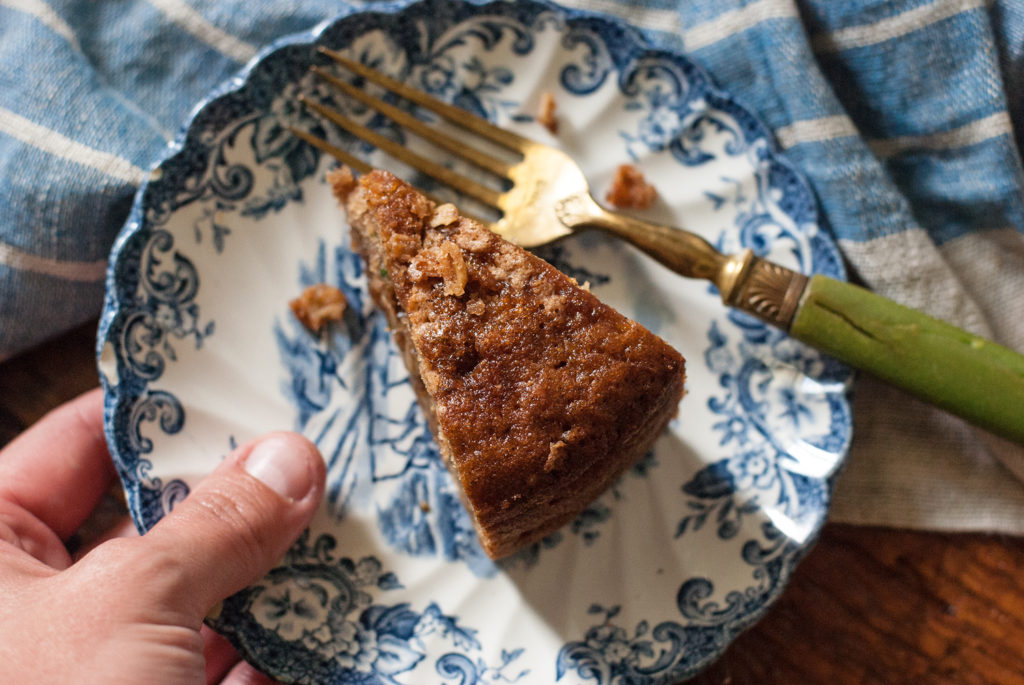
point(906, 116)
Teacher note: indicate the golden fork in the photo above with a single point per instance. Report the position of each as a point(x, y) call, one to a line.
point(549, 199)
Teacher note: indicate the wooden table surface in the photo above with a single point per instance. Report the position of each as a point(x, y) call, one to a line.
point(866, 606)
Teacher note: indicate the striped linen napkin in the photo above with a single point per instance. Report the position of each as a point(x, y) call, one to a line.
point(906, 116)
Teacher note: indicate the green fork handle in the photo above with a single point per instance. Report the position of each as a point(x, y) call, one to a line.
point(964, 374)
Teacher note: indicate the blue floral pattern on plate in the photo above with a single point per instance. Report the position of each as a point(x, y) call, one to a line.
point(198, 352)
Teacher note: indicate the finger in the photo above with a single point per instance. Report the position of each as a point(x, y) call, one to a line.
point(21, 532)
point(58, 469)
point(244, 674)
point(233, 527)
point(220, 656)
point(122, 528)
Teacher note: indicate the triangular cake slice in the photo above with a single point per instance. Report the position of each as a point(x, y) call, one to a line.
point(539, 395)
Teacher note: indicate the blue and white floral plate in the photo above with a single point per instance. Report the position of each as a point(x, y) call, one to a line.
point(199, 352)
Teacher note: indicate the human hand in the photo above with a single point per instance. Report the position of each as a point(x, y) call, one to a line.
point(131, 609)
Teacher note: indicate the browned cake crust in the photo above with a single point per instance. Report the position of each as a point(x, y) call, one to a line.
point(539, 395)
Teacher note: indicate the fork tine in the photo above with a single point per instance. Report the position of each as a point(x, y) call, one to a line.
point(454, 114)
point(421, 129)
point(464, 185)
point(364, 168)
point(333, 150)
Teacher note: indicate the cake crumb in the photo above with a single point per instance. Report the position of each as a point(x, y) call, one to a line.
point(444, 261)
point(455, 280)
point(445, 215)
point(556, 452)
point(546, 113)
point(425, 506)
point(342, 181)
point(629, 189)
point(476, 307)
point(319, 305)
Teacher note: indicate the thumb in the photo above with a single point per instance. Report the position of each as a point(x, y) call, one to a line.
point(234, 526)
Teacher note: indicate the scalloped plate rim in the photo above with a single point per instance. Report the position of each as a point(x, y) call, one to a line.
point(113, 303)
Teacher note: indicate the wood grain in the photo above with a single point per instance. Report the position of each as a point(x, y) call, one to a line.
point(35, 382)
point(867, 606)
point(871, 605)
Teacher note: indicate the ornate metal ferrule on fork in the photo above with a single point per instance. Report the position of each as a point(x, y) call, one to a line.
point(757, 286)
